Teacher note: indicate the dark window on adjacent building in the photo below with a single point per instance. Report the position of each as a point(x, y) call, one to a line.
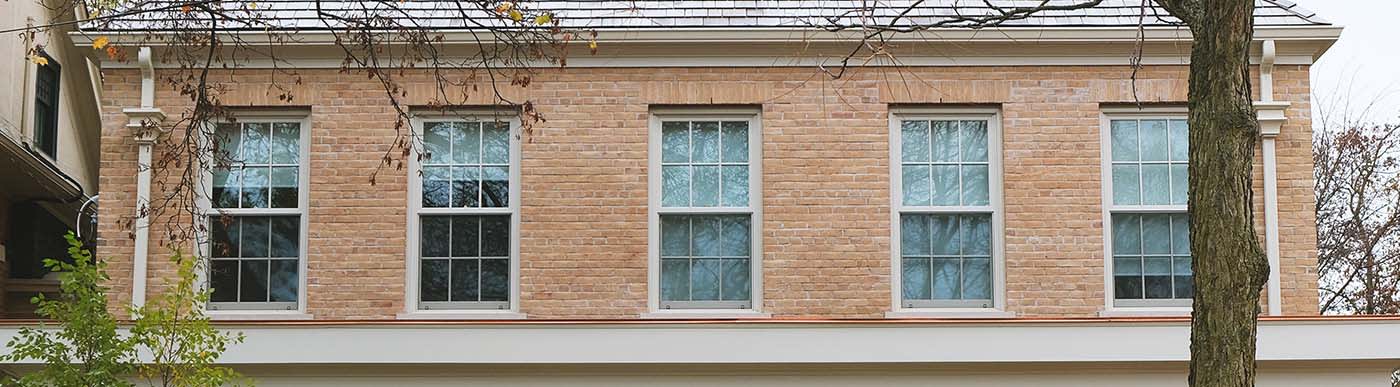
point(35, 235)
point(46, 107)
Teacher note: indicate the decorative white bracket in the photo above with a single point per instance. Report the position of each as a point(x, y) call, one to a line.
point(1271, 117)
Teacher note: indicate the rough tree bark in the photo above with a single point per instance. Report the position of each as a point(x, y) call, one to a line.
point(1229, 265)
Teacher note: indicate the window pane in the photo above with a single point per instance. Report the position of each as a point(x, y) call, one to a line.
point(1156, 234)
point(946, 190)
point(466, 280)
point(977, 235)
point(675, 236)
point(255, 182)
point(977, 279)
point(256, 143)
point(736, 280)
point(433, 280)
point(495, 279)
point(284, 187)
point(705, 279)
point(1126, 185)
point(252, 285)
point(974, 141)
point(675, 186)
point(1125, 140)
point(495, 236)
point(675, 142)
point(735, 141)
point(947, 279)
point(227, 187)
point(466, 236)
point(736, 186)
point(736, 236)
point(284, 281)
point(223, 236)
point(286, 236)
point(1180, 142)
point(229, 139)
point(974, 185)
point(436, 186)
point(675, 279)
point(255, 237)
point(1154, 140)
point(945, 141)
point(914, 141)
point(286, 143)
point(1183, 286)
point(466, 143)
point(916, 185)
point(434, 234)
point(707, 236)
point(1156, 188)
point(1127, 279)
point(1181, 234)
point(1180, 184)
point(223, 280)
point(945, 235)
point(705, 187)
point(495, 143)
point(1127, 266)
point(704, 142)
point(1157, 277)
point(466, 184)
point(1127, 234)
point(437, 142)
point(495, 189)
point(914, 278)
point(914, 237)
point(1181, 265)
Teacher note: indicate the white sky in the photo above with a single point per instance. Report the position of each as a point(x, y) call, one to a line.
point(1364, 66)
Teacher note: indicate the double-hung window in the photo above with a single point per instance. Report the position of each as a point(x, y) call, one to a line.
point(257, 217)
point(465, 200)
point(1149, 237)
point(705, 198)
point(946, 192)
point(46, 90)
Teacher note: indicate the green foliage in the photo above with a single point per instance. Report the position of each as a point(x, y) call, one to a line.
point(172, 326)
point(87, 349)
point(170, 343)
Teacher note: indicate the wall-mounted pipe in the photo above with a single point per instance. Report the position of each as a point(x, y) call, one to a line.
point(1271, 118)
point(141, 122)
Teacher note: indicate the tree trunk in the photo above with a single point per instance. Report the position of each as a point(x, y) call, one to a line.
point(1230, 268)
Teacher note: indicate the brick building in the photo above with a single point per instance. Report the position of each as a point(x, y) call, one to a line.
point(704, 207)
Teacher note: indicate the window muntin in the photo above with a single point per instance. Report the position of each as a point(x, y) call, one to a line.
point(465, 215)
point(706, 217)
point(256, 218)
point(46, 91)
point(1149, 235)
point(945, 211)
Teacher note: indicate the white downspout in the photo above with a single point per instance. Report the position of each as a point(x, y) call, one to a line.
point(1271, 118)
point(142, 122)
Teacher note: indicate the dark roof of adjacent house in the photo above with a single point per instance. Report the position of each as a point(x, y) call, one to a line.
point(682, 14)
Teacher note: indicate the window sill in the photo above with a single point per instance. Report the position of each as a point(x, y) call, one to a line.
point(936, 313)
point(256, 315)
point(675, 314)
point(1166, 311)
point(461, 315)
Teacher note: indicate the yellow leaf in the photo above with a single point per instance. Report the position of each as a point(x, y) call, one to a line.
point(99, 43)
point(39, 60)
point(504, 7)
point(593, 45)
point(543, 19)
point(252, 5)
point(516, 15)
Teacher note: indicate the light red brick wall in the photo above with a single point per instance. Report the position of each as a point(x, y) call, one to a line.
point(826, 183)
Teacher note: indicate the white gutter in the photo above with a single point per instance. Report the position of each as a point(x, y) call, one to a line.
point(1271, 118)
point(142, 122)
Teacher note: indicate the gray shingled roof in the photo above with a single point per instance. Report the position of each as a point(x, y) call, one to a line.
point(657, 14)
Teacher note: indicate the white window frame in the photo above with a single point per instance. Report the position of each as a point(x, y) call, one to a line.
point(415, 309)
point(261, 310)
point(1113, 306)
point(751, 308)
point(996, 207)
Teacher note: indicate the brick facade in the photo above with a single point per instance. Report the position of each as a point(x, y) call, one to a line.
point(826, 183)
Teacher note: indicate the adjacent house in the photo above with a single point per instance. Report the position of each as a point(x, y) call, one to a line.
point(49, 132)
point(705, 206)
